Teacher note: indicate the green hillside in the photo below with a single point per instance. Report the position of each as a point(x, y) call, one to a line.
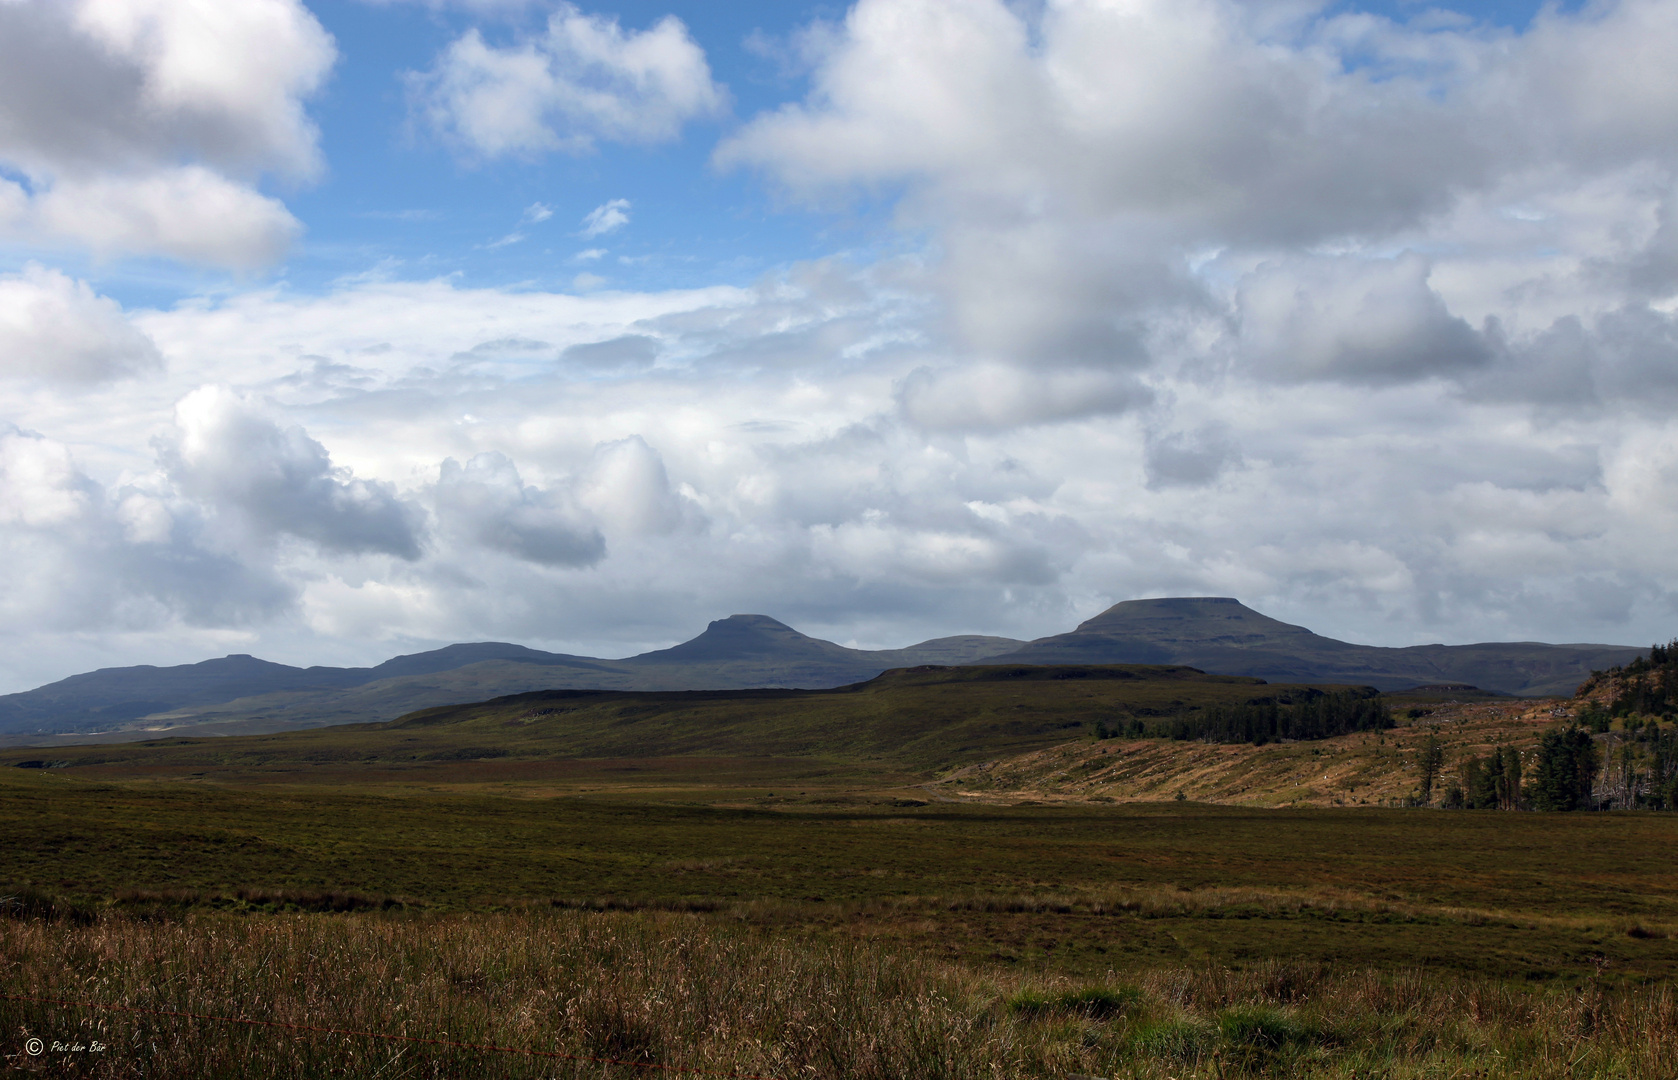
point(915, 717)
point(919, 719)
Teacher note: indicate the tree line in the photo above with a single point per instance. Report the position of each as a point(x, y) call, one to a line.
point(1582, 765)
point(1589, 765)
point(1576, 768)
point(1296, 715)
point(1648, 686)
point(1586, 764)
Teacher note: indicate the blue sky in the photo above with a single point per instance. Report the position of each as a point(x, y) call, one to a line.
point(692, 223)
point(900, 318)
point(396, 200)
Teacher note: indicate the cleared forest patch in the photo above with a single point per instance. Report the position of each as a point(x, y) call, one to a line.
point(1363, 769)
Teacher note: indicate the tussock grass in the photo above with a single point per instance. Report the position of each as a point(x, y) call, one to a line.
point(701, 992)
point(1096, 1002)
point(26, 902)
point(660, 989)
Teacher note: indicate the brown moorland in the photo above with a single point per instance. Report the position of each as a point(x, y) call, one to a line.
point(835, 912)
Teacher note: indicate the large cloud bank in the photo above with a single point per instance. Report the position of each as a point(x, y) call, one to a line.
point(1371, 324)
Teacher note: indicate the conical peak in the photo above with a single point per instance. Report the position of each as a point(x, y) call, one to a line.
point(739, 637)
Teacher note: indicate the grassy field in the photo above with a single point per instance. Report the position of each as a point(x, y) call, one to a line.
point(787, 884)
point(1073, 888)
point(693, 993)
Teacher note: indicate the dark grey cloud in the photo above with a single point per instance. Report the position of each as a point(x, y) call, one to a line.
point(486, 503)
point(1353, 320)
point(1625, 359)
point(279, 481)
point(628, 351)
point(83, 559)
point(997, 397)
point(1189, 459)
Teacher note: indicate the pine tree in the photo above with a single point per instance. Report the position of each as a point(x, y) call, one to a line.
point(1488, 782)
point(1566, 773)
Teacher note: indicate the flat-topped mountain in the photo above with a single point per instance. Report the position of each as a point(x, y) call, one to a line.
point(1222, 635)
point(1218, 635)
point(1153, 630)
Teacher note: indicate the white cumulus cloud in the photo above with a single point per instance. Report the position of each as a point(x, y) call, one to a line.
point(76, 565)
point(1371, 322)
point(607, 217)
point(190, 213)
point(142, 125)
point(584, 79)
point(487, 504)
point(55, 328)
point(277, 480)
point(1367, 321)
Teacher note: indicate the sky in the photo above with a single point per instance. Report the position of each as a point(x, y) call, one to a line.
point(336, 330)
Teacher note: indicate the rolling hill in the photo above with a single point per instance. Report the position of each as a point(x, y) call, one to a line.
point(922, 719)
point(241, 694)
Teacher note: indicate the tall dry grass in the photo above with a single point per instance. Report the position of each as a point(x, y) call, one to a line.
point(700, 992)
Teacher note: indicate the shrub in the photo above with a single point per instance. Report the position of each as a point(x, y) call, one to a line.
point(1182, 1041)
point(1261, 1027)
point(1095, 1002)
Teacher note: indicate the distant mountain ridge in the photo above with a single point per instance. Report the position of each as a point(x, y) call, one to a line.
point(1220, 634)
point(237, 694)
point(739, 652)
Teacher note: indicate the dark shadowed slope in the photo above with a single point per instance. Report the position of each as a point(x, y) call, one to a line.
point(113, 696)
point(451, 657)
point(1222, 635)
point(239, 693)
